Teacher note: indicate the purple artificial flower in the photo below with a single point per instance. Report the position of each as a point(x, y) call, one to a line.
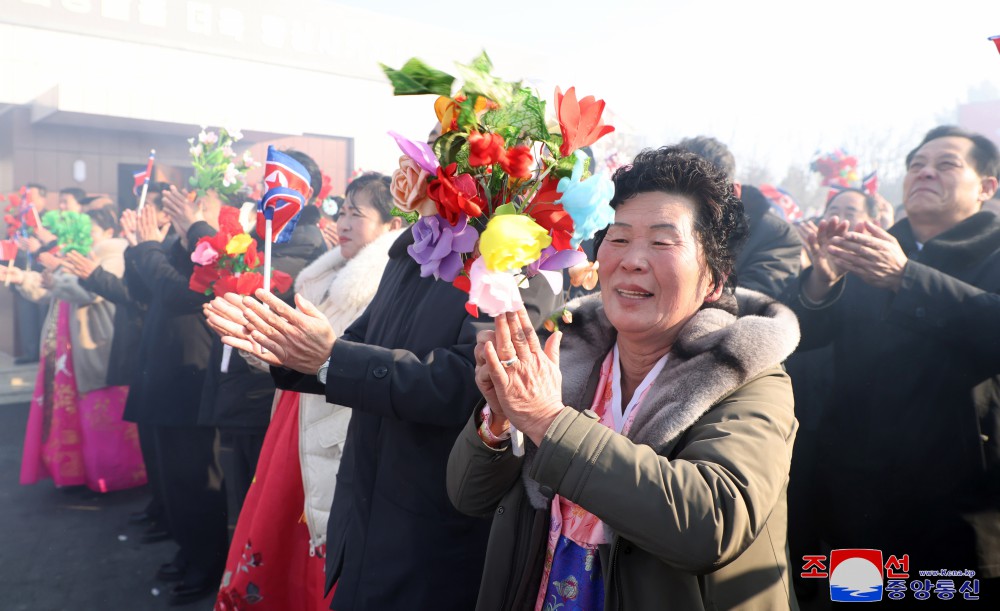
point(551, 264)
point(419, 152)
point(553, 260)
point(438, 246)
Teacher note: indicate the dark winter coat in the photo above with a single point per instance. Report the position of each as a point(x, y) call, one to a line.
point(910, 441)
point(693, 495)
point(406, 368)
point(770, 259)
point(129, 312)
point(176, 342)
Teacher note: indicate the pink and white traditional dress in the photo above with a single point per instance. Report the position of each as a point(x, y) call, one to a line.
point(77, 439)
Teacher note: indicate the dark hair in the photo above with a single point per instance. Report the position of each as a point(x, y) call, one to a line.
point(41, 188)
point(103, 218)
point(713, 150)
point(315, 175)
point(720, 223)
point(377, 187)
point(985, 156)
point(871, 206)
point(309, 216)
point(78, 194)
point(154, 193)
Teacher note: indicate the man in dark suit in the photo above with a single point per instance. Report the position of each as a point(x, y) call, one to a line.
point(908, 456)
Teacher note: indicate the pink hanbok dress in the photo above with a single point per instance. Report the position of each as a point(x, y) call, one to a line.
point(77, 439)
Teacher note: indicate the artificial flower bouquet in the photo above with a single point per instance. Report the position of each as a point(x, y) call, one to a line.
point(228, 262)
point(72, 230)
point(19, 216)
point(836, 168)
point(501, 196)
point(216, 165)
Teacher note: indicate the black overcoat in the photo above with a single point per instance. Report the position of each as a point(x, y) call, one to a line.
point(406, 367)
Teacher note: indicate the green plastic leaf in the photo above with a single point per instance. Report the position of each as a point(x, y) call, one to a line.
point(410, 217)
point(450, 148)
point(524, 117)
point(505, 209)
point(477, 80)
point(417, 78)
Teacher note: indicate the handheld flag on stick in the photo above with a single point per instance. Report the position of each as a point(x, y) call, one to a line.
point(143, 179)
point(996, 41)
point(286, 187)
point(29, 216)
point(8, 252)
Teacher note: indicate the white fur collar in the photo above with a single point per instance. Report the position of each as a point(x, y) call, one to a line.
point(715, 354)
point(351, 282)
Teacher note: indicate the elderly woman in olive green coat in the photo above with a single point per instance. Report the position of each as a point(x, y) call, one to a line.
point(658, 424)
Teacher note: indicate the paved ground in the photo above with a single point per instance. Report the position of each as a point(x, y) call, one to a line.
point(73, 551)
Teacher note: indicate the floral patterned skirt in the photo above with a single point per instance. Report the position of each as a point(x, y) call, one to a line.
point(270, 565)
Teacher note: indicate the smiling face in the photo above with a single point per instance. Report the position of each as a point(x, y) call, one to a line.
point(942, 186)
point(652, 269)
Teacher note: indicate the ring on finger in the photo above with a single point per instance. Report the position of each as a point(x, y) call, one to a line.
point(509, 362)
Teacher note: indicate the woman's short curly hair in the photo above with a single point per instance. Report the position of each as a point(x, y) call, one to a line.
point(720, 224)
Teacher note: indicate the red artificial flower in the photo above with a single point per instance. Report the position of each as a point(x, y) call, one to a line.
point(251, 258)
point(219, 241)
point(462, 281)
point(202, 278)
point(13, 224)
point(485, 149)
point(325, 190)
point(455, 194)
point(248, 283)
point(280, 282)
point(580, 121)
point(548, 192)
point(225, 284)
point(517, 162)
point(229, 221)
point(554, 218)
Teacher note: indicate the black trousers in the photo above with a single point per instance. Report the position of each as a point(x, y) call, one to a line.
point(238, 454)
point(194, 499)
point(147, 444)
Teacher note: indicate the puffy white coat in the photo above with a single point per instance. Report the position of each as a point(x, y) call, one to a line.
point(341, 289)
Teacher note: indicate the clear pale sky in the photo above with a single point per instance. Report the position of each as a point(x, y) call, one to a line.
point(775, 79)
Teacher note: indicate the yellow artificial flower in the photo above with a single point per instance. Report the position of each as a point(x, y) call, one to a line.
point(512, 241)
point(238, 244)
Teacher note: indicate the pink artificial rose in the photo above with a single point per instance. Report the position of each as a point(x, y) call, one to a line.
point(409, 188)
point(204, 254)
point(493, 292)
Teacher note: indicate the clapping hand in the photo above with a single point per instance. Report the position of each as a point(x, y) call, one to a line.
point(870, 253)
point(147, 229)
point(79, 265)
point(816, 240)
point(130, 227)
point(300, 339)
point(182, 208)
point(521, 381)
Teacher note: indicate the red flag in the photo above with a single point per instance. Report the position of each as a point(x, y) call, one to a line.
point(8, 250)
point(996, 41)
point(141, 178)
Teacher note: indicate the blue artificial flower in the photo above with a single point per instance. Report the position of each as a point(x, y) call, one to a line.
point(586, 201)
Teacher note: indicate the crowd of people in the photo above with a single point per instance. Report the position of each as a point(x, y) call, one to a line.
point(738, 393)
